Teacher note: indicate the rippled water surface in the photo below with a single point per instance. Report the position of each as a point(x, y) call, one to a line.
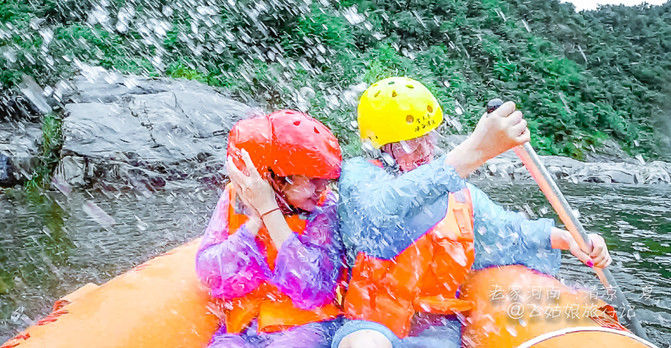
point(636, 223)
point(53, 244)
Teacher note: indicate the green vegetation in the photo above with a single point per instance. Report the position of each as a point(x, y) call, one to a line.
point(52, 140)
point(581, 78)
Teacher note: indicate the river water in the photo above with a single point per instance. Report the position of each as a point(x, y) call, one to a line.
point(52, 244)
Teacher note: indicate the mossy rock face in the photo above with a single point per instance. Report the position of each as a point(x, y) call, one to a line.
point(125, 129)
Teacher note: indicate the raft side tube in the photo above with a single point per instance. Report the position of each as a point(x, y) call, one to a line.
point(516, 306)
point(160, 303)
point(589, 337)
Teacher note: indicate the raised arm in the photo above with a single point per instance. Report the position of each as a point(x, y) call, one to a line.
point(230, 265)
point(381, 196)
point(495, 133)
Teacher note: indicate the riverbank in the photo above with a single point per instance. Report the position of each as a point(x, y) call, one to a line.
point(125, 131)
point(600, 168)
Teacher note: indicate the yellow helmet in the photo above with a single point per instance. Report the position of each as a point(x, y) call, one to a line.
point(396, 109)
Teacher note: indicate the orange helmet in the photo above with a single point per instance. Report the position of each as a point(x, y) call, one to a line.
point(287, 142)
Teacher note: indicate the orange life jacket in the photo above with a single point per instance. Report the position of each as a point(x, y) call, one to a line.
point(424, 277)
point(275, 310)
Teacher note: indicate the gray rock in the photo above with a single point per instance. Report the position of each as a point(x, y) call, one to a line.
point(101, 130)
point(521, 173)
point(560, 167)
point(19, 151)
point(8, 175)
point(500, 167)
point(609, 151)
point(604, 173)
point(71, 170)
point(620, 176)
point(149, 133)
point(561, 162)
point(564, 168)
point(34, 93)
point(509, 165)
point(15, 107)
point(657, 172)
point(144, 132)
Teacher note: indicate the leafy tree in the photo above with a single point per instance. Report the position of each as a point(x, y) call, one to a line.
point(581, 78)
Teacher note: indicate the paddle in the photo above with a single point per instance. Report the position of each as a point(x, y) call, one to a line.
point(533, 163)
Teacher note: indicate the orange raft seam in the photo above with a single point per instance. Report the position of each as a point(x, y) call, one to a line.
point(14, 342)
point(52, 317)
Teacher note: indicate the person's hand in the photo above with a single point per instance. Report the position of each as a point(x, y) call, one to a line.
point(496, 133)
point(499, 131)
point(252, 189)
point(599, 257)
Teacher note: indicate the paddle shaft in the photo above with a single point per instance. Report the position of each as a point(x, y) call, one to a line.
point(533, 163)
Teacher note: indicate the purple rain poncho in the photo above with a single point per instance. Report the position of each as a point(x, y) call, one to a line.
point(306, 268)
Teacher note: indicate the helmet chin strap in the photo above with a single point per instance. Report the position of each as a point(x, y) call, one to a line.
point(390, 161)
point(383, 155)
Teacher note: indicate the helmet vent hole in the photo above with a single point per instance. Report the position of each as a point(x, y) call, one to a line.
point(410, 86)
point(409, 119)
point(296, 123)
point(377, 93)
point(316, 130)
point(429, 108)
point(393, 94)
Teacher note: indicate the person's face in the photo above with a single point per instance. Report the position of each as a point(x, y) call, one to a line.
point(410, 154)
point(303, 192)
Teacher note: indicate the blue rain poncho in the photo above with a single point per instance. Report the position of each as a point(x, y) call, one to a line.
point(381, 213)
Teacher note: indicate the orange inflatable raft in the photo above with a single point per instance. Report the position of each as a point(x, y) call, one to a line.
point(157, 304)
point(162, 304)
point(514, 306)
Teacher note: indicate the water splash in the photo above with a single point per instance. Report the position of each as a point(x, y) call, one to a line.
point(97, 214)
